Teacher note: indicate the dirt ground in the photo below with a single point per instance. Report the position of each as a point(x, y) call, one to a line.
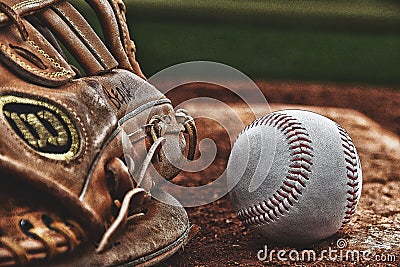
point(372, 118)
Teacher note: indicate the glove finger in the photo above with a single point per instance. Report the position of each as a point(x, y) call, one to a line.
point(112, 27)
point(78, 37)
point(27, 57)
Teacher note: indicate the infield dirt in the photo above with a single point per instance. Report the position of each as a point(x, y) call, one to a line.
point(372, 118)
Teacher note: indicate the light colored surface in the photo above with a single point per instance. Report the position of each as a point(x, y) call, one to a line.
point(319, 208)
point(376, 224)
point(225, 241)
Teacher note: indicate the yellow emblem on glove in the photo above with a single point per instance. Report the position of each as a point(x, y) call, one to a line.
point(42, 125)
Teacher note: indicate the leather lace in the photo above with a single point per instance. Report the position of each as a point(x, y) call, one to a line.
point(45, 242)
point(15, 18)
point(59, 237)
point(136, 196)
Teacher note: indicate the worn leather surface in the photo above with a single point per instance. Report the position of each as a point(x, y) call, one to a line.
point(23, 8)
point(60, 129)
point(151, 233)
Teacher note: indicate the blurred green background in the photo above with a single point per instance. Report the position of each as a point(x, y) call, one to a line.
point(325, 41)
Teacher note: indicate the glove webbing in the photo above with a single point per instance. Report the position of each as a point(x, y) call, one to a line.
point(28, 45)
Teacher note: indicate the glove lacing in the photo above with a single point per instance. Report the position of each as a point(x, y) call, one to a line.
point(15, 18)
point(135, 197)
point(132, 199)
point(63, 236)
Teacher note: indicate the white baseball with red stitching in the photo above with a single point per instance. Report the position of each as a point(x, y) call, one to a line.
point(298, 177)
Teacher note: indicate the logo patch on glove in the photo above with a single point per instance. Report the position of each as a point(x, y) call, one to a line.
point(43, 126)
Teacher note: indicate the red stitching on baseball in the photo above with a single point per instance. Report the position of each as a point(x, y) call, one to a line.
point(273, 201)
point(301, 161)
point(287, 122)
point(292, 178)
point(300, 152)
point(300, 138)
point(276, 119)
point(293, 128)
point(279, 208)
point(285, 189)
point(297, 165)
point(352, 184)
point(294, 196)
point(274, 212)
point(352, 169)
point(290, 202)
point(294, 133)
point(300, 145)
point(297, 190)
point(352, 174)
point(284, 205)
point(268, 205)
point(296, 172)
point(259, 209)
point(282, 194)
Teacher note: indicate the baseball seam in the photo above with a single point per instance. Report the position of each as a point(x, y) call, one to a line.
point(352, 174)
point(298, 174)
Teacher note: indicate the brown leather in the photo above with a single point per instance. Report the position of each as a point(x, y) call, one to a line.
point(79, 38)
point(23, 8)
point(109, 16)
point(34, 59)
point(132, 248)
point(64, 170)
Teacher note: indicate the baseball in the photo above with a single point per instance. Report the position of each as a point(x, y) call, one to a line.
point(298, 177)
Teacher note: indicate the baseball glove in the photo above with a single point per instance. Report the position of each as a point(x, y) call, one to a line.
point(82, 144)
